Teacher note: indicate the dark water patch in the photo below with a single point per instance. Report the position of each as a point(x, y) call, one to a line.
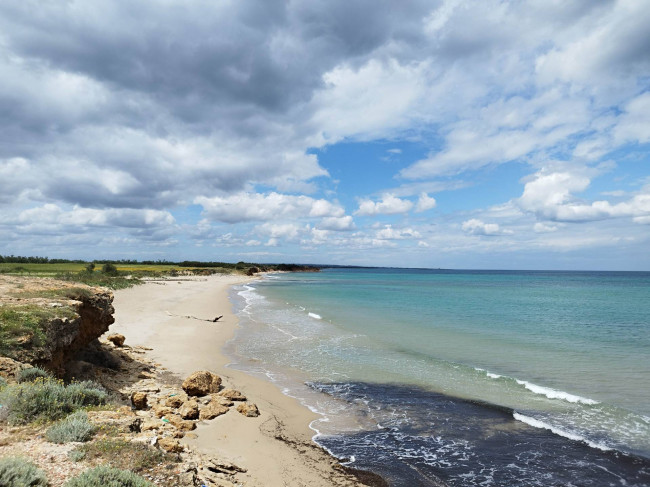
point(415, 437)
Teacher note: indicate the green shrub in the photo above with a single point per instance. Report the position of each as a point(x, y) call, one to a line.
point(3, 382)
point(75, 427)
point(99, 279)
point(107, 476)
point(31, 374)
point(76, 455)
point(19, 472)
point(48, 399)
point(109, 269)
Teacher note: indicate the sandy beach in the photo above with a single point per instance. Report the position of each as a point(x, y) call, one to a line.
point(276, 449)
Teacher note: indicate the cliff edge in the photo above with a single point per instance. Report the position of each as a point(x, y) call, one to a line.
point(45, 322)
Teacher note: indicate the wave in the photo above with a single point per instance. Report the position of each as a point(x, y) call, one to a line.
point(555, 394)
point(535, 423)
point(544, 391)
point(315, 316)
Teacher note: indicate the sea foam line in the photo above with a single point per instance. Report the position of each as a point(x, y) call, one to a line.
point(536, 423)
point(315, 316)
point(555, 394)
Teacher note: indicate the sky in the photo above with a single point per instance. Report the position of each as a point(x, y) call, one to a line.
point(487, 134)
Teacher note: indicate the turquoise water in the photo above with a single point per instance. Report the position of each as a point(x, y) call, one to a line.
point(564, 353)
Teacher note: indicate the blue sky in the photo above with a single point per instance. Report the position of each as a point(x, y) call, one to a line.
point(450, 133)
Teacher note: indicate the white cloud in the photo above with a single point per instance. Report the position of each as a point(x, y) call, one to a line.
point(388, 205)
point(243, 207)
point(475, 226)
point(425, 202)
point(540, 227)
point(634, 123)
point(550, 195)
point(341, 223)
point(390, 233)
point(52, 215)
point(288, 231)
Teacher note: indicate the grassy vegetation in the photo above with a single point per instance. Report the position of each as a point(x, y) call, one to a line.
point(103, 476)
point(22, 326)
point(99, 279)
point(39, 269)
point(120, 453)
point(54, 293)
point(42, 266)
point(48, 399)
point(20, 472)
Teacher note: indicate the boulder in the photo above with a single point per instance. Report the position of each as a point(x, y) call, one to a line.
point(232, 395)
point(201, 383)
point(181, 424)
point(219, 400)
point(248, 409)
point(174, 401)
point(189, 410)
point(212, 410)
point(116, 339)
point(170, 445)
point(10, 367)
point(161, 411)
point(151, 424)
point(139, 400)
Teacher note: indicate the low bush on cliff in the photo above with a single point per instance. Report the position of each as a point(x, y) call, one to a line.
point(23, 326)
point(103, 476)
point(48, 399)
point(19, 472)
point(31, 374)
point(125, 454)
point(75, 427)
point(99, 279)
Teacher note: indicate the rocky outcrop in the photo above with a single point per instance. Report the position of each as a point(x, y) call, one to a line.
point(248, 409)
point(189, 410)
point(212, 410)
point(232, 395)
point(9, 368)
point(201, 383)
point(116, 339)
point(70, 315)
point(139, 400)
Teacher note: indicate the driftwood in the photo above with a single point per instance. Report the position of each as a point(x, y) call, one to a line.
point(195, 318)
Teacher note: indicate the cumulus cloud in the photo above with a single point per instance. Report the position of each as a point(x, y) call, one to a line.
point(475, 226)
point(425, 202)
point(551, 195)
point(388, 205)
point(342, 223)
point(390, 233)
point(244, 207)
point(287, 231)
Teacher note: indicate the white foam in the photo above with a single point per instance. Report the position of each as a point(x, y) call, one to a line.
point(535, 423)
point(489, 374)
point(315, 316)
point(555, 394)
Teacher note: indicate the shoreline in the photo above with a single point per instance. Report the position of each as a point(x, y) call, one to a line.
point(173, 318)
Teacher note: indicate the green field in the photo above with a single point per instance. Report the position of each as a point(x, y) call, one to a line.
point(50, 270)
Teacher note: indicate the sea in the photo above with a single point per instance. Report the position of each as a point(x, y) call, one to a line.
point(461, 378)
